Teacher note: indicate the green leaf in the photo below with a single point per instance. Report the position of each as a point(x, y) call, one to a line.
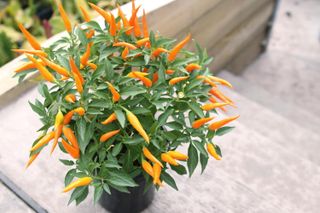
point(38, 109)
point(121, 179)
point(67, 162)
point(181, 170)
point(112, 164)
point(121, 117)
point(69, 176)
point(106, 188)
point(200, 147)
point(97, 193)
point(82, 196)
point(196, 109)
point(133, 91)
point(224, 130)
point(84, 133)
point(193, 159)
point(169, 180)
point(174, 125)
point(116, 149)
point(164, 116)
point(78, 192)
point(204, 162)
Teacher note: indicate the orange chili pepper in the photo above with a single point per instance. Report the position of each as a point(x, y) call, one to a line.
point(75, 153)
point(142, 42)
point(80, 111)
point(206, 80)
point(167, 158)
point(177, 155)
point(84, 181)
point(27, 66)
point(108, 135)
point(174, 52)
point(133, 74)
point(31, 159)
point(104, 14)
point(134, 16)
point(136, 28)
point(176, 80)
point(213, 100)
point(169, 72)
point(192, 67)
point(92, 66)
point(158, 51)
point(85, 57)
point(55, 67)
point(150, 156)
point(68, 117)
point(200, 122)
point(211, 106)
point(33, 52)
point(125, 21)
point(146, 81)
point(222, 97)
point(220, 80)
point(145, 25)
point(43, 141)
point(75, 70)
point(85, 14)
point(114, 92)
point(156, 173)
point(110, 119)
point(125, 53)
point(147, 167)
point(57, 129)
point(65, 18)
point(70, 136)
point(31, 39)
point(125, 44)
point(113, 26)
point(134, 121)
point(42, 69)
point(212, 151)
point(218, 124)
point(71, 98)
point(78, 83)
point(155, 77)
point(90, 34)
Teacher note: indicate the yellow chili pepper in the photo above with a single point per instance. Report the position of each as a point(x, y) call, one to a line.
point(142, 42)
point(92, 65)
point(156, 173)
point(114, 92)
point(174, 52)
point(33, 52)
point(65, 18)
point(211, 106)
point(216, 125)
point(167, 158)
point(110, 119)
point(71, 98)
point(125, 53)
point(55, 67)
point(221, 81)
point(133, 74)
point(85, 57)
point(31, 159)
point(212, 151)
point(74, 152)
point(84, 181)
point(192, 67)
point(70, 136)
point(147, 167)
point(43, 141)
point(177, 155)
point(207, 80)
point(42, 69)
point(31, 39)
point(150, 156)
point(108, 135)
point(134, 121)
point(58, 125)
point(200, 122)
point(176, 80)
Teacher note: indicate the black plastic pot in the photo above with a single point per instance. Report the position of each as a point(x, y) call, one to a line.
point(136, 201)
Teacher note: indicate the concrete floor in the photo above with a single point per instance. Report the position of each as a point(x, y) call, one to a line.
point(270, 161)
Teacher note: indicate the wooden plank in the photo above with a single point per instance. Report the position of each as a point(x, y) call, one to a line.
point(247, 55)
point(225, 17)
point(235, 41)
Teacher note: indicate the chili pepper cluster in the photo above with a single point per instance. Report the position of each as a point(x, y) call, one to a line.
point(174, 82)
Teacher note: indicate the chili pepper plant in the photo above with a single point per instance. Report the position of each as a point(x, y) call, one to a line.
point(119, 100)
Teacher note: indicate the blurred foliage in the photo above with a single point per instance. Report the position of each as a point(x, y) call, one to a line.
point(41, 18)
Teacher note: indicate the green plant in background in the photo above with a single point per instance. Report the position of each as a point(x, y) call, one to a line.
point(40, 17)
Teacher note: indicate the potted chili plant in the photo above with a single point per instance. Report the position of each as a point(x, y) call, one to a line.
point(119, 101)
